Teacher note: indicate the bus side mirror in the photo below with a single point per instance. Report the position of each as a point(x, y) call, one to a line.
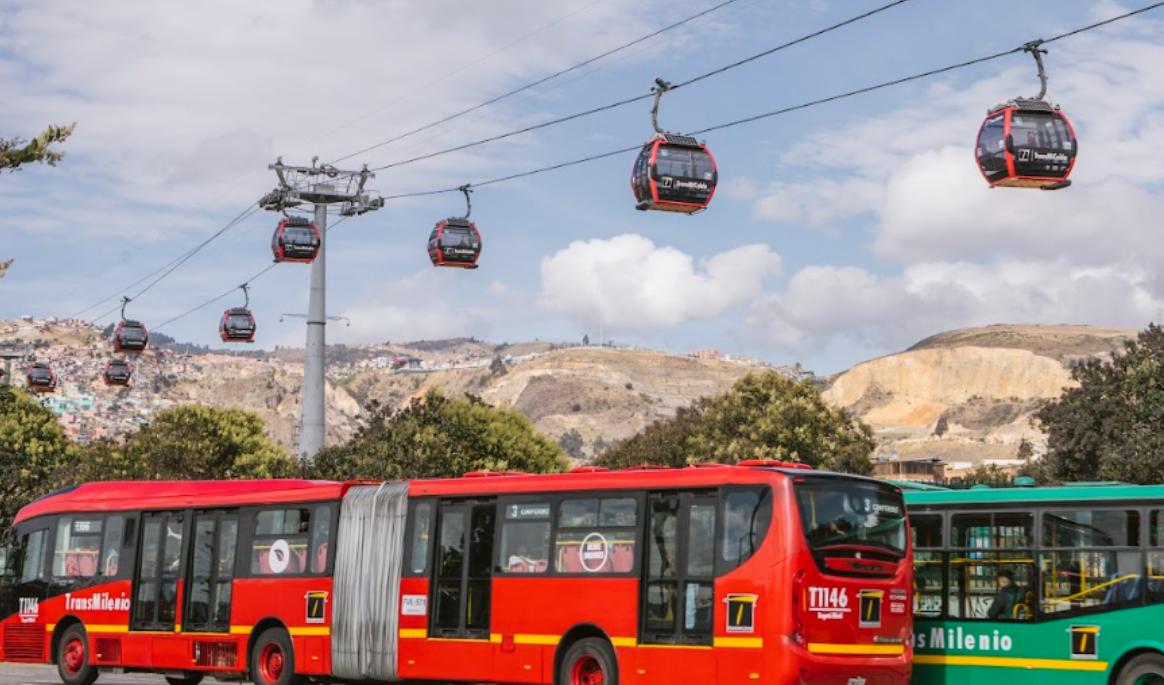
point(1010, 143)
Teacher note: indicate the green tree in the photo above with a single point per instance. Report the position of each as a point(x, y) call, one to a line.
point(1025, 450)
point(33, 450)
point(768, 416)
point(764, 416)
point(4, 266)
point(438, 437)
point(191, 442)
point(572, 443)
point(1109, 426)
point(15, 152)
point(942, 427)
point(661, 443)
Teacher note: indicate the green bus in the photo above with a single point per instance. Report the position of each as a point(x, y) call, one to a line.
point(1038, 584)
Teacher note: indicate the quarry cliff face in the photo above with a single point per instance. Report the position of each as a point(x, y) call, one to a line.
point(914, 389)
point(986, 383)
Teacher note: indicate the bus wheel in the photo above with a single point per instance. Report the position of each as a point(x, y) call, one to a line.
point(73, 657)
point(589, 661)
point(1146, 669)
point(273, 658)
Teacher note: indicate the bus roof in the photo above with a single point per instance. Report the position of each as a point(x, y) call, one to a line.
point(130, 495)
point(163, 495)
point(1072, 492)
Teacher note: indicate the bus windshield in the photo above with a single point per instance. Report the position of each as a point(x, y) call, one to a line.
point(837, 513)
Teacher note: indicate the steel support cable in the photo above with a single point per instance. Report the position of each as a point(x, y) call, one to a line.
point(786, 110)
point(448, 75)
point(540, 81)
point(738, 122)
point(645, 96)
point(171, 265)
point(228, 293)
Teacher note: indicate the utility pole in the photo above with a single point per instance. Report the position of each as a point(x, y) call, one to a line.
point(320, 186)
point(8, 353)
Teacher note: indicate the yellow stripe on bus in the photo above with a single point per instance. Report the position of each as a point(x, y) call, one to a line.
point(879, 650)
point(413, 633)
point(311, 631)
point(740, 642)
point(1008, 662)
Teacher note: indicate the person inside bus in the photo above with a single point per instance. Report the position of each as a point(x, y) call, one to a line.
point(1009, 595)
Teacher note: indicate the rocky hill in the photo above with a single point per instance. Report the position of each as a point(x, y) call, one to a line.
point(604, 393)
point(985, 382)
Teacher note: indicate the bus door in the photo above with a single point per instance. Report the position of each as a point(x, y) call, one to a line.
point(157, 590)
point(462, 589)
point(211, 565)
point(678, 594)
point(25, 583)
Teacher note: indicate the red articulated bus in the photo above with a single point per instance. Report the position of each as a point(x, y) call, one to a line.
point(756, 573)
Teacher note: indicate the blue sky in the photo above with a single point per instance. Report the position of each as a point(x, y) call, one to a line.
point(837, 234)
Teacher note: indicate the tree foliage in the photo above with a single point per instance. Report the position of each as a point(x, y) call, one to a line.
point(438, 437)
point(4, 266)
point(572, 443)
point(190, 442)
point(33, 450)
point(764, 416)
point(15, 152)
point(1109, 427)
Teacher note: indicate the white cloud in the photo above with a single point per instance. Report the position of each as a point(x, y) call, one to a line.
point(822, 302)
point(633, 285)
point(173, 109)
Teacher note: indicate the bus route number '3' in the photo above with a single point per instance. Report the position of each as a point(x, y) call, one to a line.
point(828, 603)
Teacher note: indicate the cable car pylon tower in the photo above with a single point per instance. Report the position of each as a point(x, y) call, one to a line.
point(319, 186)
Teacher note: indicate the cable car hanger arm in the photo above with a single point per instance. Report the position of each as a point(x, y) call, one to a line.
point(1035, 48)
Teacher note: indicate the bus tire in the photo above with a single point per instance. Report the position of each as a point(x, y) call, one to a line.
point(589, 661)
point(188, 679)
point(1141, 669)
point(273, 658)
point(73, 657)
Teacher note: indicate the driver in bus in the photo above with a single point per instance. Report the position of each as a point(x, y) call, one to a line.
point(1009, 594)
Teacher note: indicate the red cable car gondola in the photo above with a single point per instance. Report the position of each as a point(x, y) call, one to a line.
point(296, 239)
point(456, 242)
point(673, 173)
point(131, 336)
point(238, 323)
point(1027, 142)
point(41, 378)
point(117, 373)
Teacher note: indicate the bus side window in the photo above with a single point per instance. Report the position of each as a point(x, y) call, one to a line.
point(111, 547)
point(1155, 579)
point(280, 541)
point(34, 545)
point(747, 515)
point(525, 537)
point(320, 531)
point(926, 530)
point(78, 549)
point(421, 524)
point(1092, 562)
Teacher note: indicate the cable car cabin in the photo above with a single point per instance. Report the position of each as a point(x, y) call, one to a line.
point(1027, 143)
point(131, 336)
point(674, 174)
point(117, 373)
point(456, 243)
point(238, 325)
point(296, 239)
point(41, 378)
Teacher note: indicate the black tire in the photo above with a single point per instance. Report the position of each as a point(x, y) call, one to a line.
point(1145, 669)
point(72, 657)
point(188, 679)
point(584, 658)
point(273, 658)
